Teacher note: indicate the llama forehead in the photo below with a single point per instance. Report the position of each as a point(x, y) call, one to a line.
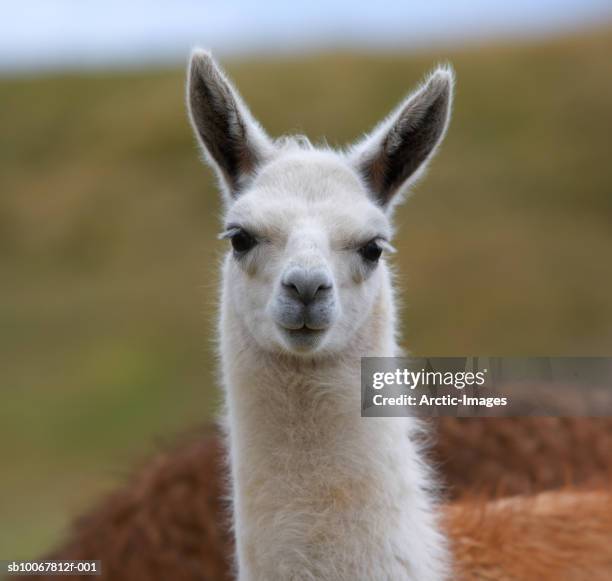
point(310, 173)
point(309, 194)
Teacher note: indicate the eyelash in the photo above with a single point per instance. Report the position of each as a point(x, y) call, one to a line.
point(371, 251)
point(241, 239)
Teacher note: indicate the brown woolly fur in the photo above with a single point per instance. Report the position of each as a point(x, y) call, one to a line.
point(171, 520)
point(553, 536)
point(168, 523)
point(508, 456)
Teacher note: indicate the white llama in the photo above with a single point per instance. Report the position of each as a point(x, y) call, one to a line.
point(319, 493)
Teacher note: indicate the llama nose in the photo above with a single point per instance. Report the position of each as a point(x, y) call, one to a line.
point(306, 285)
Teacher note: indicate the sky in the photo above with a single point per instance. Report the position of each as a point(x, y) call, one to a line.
point(60, 34)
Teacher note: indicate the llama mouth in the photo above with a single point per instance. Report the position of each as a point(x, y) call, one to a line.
point(304, 338)
point(305, 329)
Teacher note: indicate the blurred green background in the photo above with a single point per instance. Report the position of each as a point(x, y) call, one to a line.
point(109, 256)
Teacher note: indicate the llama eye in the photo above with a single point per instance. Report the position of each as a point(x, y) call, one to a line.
point(371, 251)
point(242, 241)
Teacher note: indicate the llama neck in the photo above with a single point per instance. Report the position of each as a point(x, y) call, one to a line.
point(320, 492)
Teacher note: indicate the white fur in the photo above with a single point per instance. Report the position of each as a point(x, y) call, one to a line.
point(319, 493)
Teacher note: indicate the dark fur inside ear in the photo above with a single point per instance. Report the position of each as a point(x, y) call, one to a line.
point(230, 137)
point(401, 146)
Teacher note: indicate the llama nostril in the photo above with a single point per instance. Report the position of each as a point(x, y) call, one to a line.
point(305, 285)
point(291, 288)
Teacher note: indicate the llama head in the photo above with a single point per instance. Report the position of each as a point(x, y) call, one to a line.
point(308, 227)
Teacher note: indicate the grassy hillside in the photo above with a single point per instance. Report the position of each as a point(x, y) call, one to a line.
point(108, 247)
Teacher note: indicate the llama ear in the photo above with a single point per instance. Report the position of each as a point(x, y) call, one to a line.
point(232, 140)
point(397, 151)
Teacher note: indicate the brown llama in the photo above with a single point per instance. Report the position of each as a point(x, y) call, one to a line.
point(171, 519)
